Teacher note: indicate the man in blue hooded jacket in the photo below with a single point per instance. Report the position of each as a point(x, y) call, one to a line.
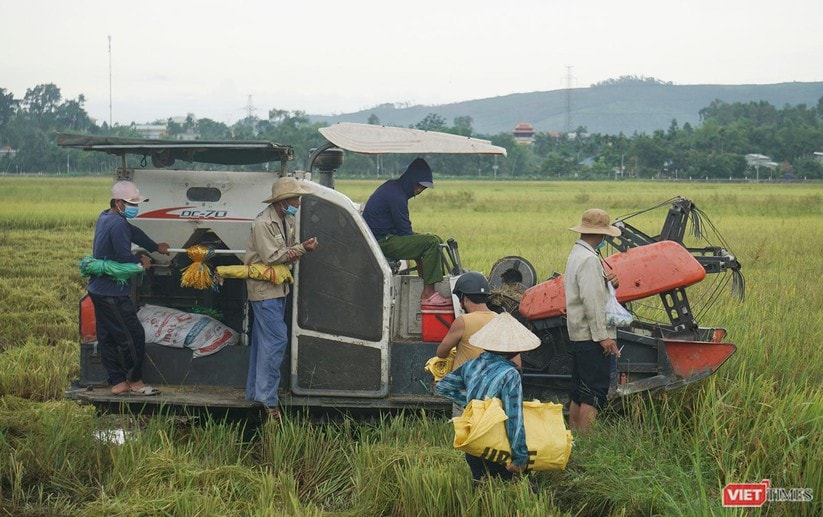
point(387, 214)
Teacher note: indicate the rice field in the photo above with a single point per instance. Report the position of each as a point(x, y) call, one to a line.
point(759, 417)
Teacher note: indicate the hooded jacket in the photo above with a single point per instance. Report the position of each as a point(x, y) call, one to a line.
point(387, 210)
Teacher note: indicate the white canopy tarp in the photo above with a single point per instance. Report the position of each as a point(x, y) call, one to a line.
point(374, 139)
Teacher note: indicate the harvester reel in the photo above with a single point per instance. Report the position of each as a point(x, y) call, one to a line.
point(513, 272)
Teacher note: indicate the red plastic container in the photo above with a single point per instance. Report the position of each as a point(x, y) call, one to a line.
point(437, 319)
point(88, 323)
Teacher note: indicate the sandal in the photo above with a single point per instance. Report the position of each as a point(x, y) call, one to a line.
point(145, 391)
point(274, 413)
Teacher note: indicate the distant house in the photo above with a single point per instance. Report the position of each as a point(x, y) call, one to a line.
point(760, 160)
point(151, 131)
point(523, 133)
point(818, 156)
point(161, 131)
point(188, 130)
point(7, 152)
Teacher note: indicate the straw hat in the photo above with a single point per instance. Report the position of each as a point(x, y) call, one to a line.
point(127, 191)
point(596, 221)
point(504, 334)
point(285, 188)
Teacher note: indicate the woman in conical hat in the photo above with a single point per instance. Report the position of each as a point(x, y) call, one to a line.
point(491, 375)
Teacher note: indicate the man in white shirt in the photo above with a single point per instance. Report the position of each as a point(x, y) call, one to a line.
point(592, 342)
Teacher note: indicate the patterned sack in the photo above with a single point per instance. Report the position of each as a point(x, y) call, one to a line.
point(171, 327)
point(480, 431)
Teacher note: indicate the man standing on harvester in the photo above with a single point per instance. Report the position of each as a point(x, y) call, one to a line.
point(120, 334)
point(592, 342)
point(273, 240)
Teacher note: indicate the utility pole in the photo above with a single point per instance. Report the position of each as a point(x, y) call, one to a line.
point(568, 99)
point(110, 82)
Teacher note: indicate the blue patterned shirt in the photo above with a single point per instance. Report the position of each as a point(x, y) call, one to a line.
point(491, 375)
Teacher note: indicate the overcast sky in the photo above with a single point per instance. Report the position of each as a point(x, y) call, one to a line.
point(173, 57)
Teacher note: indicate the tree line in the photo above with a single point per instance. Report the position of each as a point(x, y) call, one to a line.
point(715, 149)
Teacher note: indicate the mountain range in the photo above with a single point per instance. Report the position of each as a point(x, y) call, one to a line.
point(606, 109)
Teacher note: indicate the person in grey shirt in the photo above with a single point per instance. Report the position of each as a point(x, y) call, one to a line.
point(592, 342)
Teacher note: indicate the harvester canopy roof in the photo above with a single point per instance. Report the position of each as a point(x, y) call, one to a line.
point(165, 152)
point(374, 139)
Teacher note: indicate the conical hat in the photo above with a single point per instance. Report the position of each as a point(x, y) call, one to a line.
point(504, 334)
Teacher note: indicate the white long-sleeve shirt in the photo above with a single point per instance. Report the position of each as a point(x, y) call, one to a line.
point(586, 295)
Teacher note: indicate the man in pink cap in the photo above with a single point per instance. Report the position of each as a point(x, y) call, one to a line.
point(120, 334)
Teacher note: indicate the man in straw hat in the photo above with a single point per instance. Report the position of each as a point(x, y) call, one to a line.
point(272, 241)
point(120, 334)
point(493, 374)
point(592, 343)
point(387, 215)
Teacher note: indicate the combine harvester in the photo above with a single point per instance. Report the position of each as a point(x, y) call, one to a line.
point(358, 337)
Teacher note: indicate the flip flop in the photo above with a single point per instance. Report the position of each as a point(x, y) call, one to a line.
point(146, 391)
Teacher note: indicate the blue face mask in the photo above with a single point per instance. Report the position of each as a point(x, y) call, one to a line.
point(290, 210)
point(602, 243)
point(130, 212)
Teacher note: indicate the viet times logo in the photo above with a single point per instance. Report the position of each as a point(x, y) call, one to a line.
point(755, 494)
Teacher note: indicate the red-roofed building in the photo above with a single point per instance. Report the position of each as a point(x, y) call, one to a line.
point(524, 133)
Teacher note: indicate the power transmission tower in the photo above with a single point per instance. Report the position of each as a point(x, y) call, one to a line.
point(569, 79)
point(250, 109)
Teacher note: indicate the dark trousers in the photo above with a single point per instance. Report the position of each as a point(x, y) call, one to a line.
point(120, 337)
point(481, 468)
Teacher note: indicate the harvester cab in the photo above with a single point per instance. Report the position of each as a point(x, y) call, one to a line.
point(358, 337)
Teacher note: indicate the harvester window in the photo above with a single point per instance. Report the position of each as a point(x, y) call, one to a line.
point(208, 194)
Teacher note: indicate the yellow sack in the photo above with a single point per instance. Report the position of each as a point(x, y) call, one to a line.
point(276, 274)
point(440, 367)
point(481, 432)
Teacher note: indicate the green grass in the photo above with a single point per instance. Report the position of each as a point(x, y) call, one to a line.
point(759, 417)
